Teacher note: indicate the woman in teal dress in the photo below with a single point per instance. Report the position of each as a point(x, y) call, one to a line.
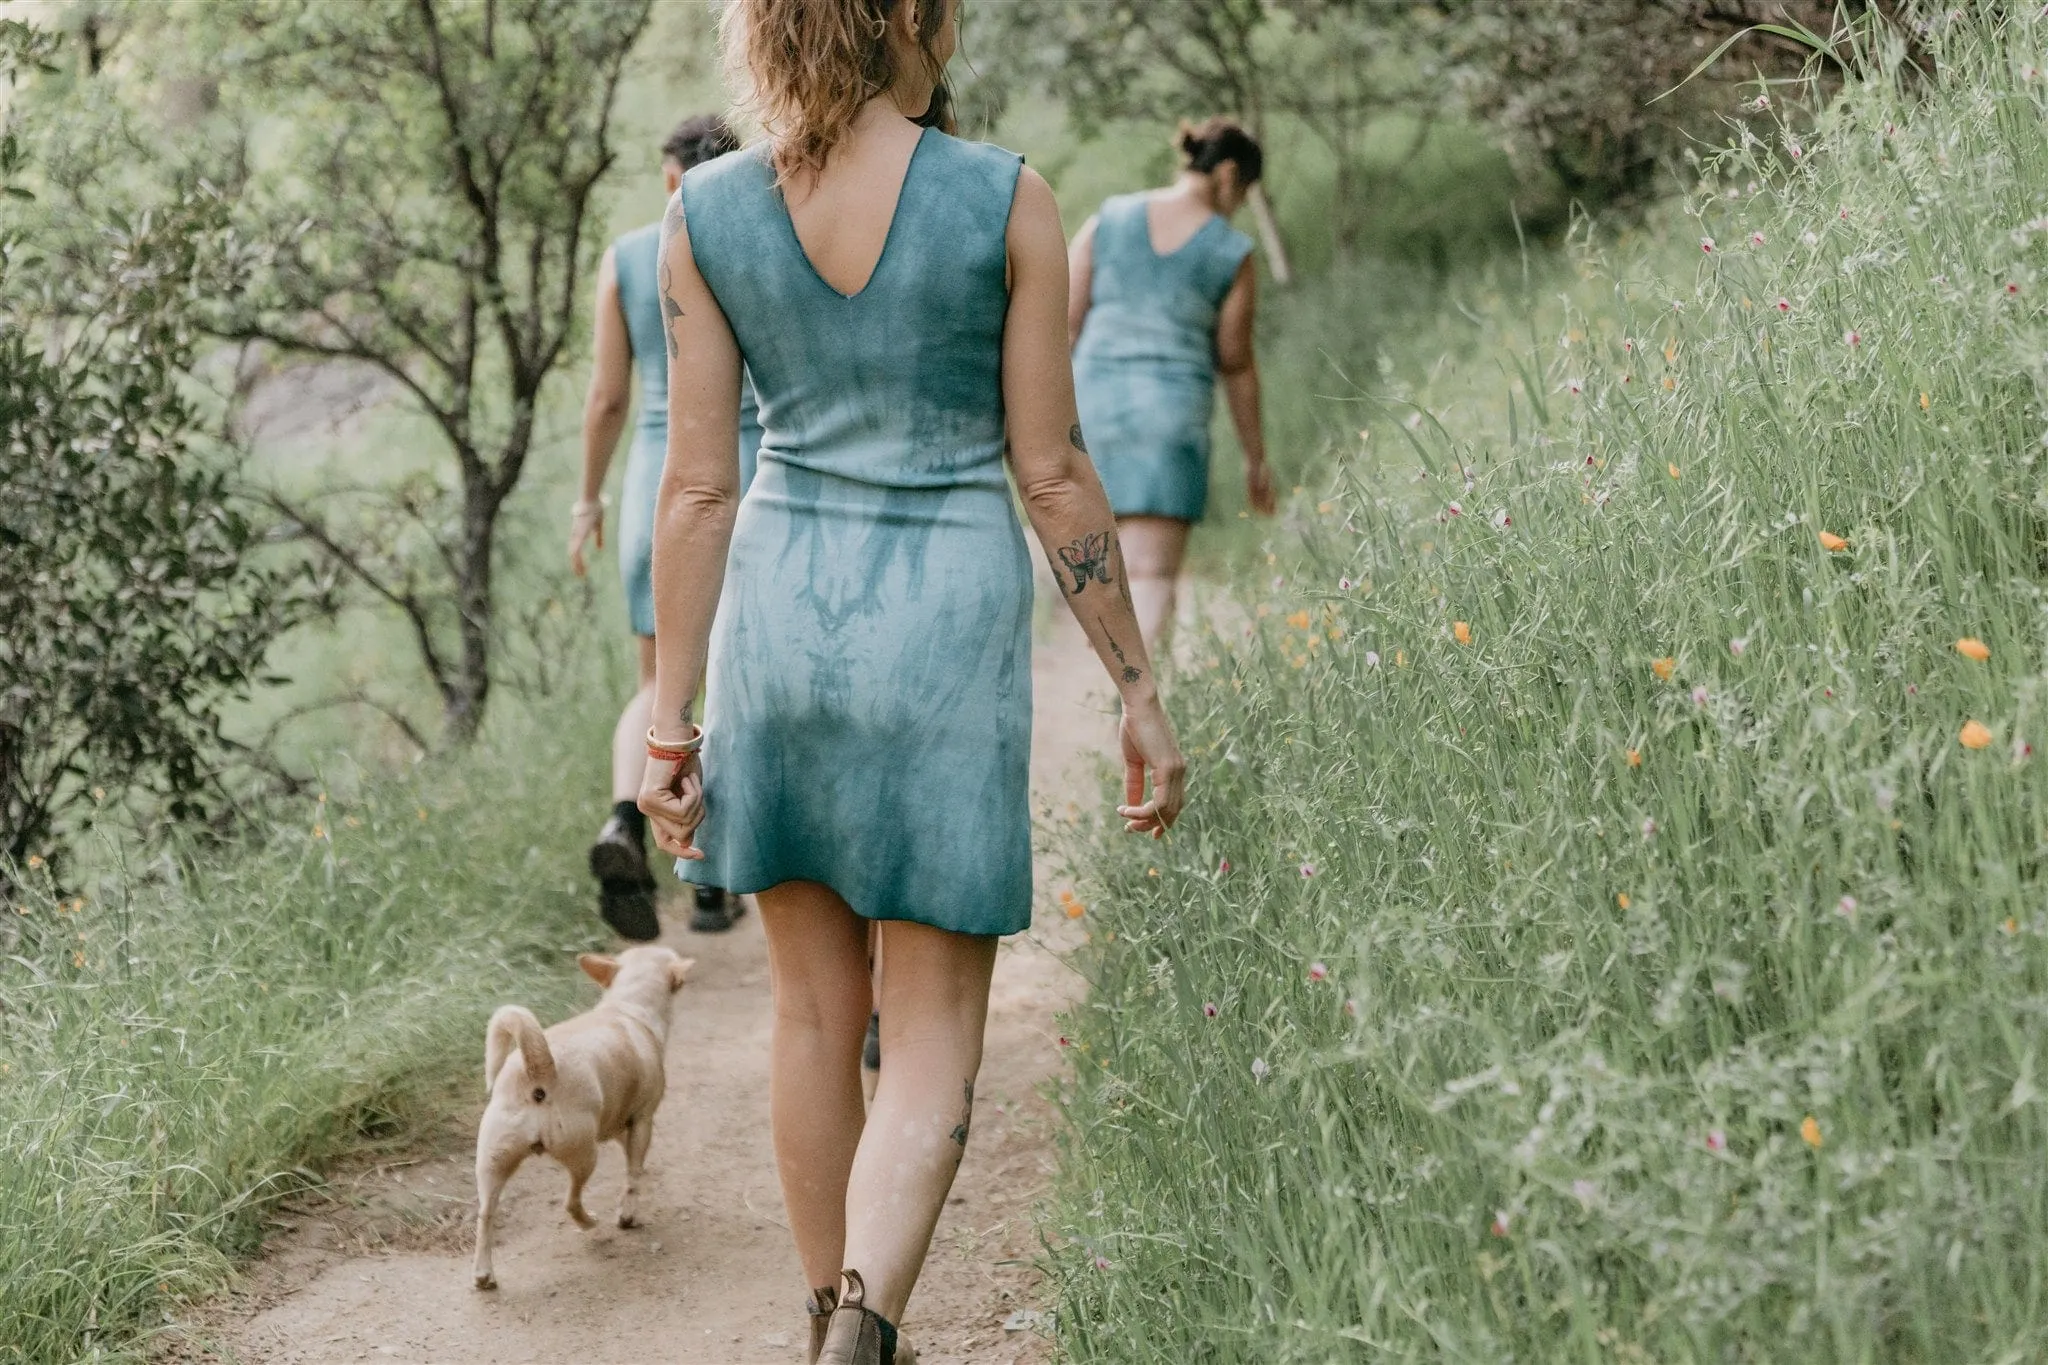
point(626, 337)
point(1161, 298)
point(899, 297)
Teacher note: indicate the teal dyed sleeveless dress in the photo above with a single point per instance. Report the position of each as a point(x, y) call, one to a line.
point(868, 717)
point(1145, 366)
point(640, 300)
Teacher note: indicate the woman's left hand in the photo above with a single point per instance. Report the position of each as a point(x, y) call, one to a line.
point(672, 799)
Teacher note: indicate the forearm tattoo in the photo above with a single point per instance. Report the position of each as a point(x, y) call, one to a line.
point(1087, 559)
point(1131, 674)
point(1094, 558)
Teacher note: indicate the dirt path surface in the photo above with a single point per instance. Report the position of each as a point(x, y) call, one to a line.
point(378, 1270)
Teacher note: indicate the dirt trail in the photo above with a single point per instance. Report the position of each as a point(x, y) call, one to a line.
point(379, 1271)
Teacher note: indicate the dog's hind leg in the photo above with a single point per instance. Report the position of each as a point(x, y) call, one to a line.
point(493, 1169)
point(581, 1161)
point(638, 1137)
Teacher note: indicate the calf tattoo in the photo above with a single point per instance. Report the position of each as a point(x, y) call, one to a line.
point(1075, 440)
point(966, 1116)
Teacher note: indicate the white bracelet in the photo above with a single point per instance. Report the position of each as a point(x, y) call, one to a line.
point(583, 507)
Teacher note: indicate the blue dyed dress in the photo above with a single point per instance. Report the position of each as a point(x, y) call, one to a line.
point(1145, 366)
point(634, 257)
point(868, 716)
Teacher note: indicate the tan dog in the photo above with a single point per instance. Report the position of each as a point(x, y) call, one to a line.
point(595, 1078)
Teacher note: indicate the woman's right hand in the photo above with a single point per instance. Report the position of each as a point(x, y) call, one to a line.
point(1149, 750)
point(672, 799)
point(586, 519)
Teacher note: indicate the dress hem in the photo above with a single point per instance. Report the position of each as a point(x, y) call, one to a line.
point(753, 886)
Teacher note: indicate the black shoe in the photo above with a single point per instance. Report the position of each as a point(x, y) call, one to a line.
point(717, 910)
point(625, 887)
point(871, 1050)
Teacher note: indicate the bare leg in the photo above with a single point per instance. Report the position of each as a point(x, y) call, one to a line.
point(818, 966)
point(493, 1169)
point(639, 1134)
point(934, 1002)
point(629, 737)
point(1154, 548)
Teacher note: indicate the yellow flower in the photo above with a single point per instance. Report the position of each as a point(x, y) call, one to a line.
point(1664, 668)
point(35, 860)
point(1672, 470)
point(99, 793)
point(319, 831)
point(1299, 620)
point(1831, 542)
point(422, 813)
point(1971, 648)
point(2011, 925)
point(1463, 631)
point(1974, 735)
point(1075, 909)
point(1925, 401)
point(1671, 352)
point(77, 958)
point(1670, 384)
point(1400, 658)
point(1621, 899)
point(1809, 1131)
point(1635, 758)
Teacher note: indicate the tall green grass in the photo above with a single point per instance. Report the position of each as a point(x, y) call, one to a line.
point(190, 1037)
point(1593, 938)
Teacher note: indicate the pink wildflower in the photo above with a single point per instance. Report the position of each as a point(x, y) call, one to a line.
point(1308, 869)
point(1209, 1010)
point(1717, 1141)
point(1852, 338)
point(1783, 305)
point(1318, 972)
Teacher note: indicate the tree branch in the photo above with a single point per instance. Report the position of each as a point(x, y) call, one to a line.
point(406, 601)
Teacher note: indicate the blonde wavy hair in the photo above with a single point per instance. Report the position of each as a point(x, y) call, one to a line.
point(808, 66)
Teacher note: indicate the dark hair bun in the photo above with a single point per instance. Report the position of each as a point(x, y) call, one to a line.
point(699, 139)
point(1207, 145)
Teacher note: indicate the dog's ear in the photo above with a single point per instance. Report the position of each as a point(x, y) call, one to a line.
point(679, 972)
point(599, 968)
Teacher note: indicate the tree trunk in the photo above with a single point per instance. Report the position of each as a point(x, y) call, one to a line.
point(468, 686)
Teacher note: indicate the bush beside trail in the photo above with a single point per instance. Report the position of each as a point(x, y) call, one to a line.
point(1611, 925)
point(183, 1043)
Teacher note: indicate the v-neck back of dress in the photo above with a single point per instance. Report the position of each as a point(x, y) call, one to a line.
point(901, 382)
point(888, 233)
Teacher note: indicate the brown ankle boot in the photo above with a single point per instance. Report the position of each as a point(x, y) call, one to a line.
point(854, 1334)
point(819, 1305)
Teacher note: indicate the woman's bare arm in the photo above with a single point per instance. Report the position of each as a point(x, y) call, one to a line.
point(693, 517)
point(1237, 361)
point(1081, 281)
point(1065, 502)
point(604, 407)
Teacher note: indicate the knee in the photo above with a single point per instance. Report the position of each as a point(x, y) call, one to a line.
point(827, 1009)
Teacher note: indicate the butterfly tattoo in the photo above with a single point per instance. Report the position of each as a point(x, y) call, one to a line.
point(1087, 559)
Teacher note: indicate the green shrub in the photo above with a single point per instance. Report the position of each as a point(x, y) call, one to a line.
point(1594, 938)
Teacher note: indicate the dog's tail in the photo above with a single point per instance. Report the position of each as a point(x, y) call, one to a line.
point(514, 1026)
